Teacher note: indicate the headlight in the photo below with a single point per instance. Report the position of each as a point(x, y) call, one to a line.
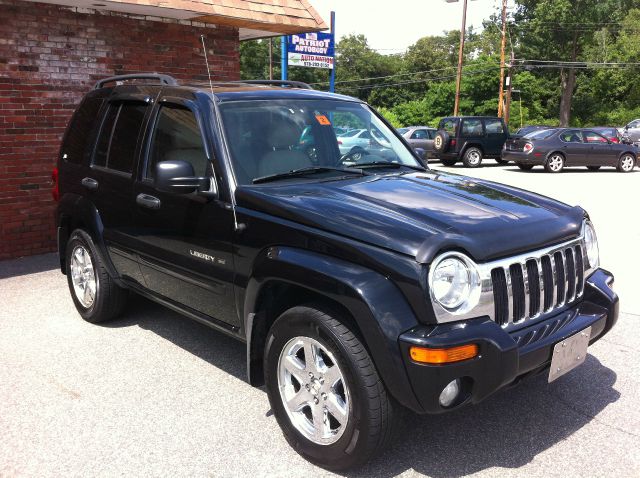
point(454, 282)
point(591, 244)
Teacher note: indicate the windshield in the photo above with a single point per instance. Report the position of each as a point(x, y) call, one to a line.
point(277, 136)
point(540, 134)
point(402, 130)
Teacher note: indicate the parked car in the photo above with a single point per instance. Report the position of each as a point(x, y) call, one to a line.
point(470, 139)
point(612, 134)
point(357, 287)
point(530, 129)
point(631, 131)
point(556, 148)
point(420, 137)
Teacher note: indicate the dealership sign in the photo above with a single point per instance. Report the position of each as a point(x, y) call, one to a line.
point(314, 50)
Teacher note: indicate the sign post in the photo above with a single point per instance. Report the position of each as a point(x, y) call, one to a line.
point(332, 78)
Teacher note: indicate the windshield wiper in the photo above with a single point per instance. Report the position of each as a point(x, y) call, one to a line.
point(389, 164)
point(306, 171)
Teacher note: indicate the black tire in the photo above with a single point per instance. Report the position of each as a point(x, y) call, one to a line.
point(109, 299)
point(593, 168)
point(626, 163)
point(472, 157)
point(449, 162)
point(525, 167)
point(368, 426)
point(502, 161)
point(554, 163)
point(441, 141)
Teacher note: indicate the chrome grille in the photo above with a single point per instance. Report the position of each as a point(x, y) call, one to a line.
point(537, 285)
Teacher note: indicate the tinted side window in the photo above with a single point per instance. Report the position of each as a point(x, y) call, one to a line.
point(420, 134)
point(177, 137)
point(493, 126)
point(76, 141)
point(472, 127)
point(571, 136)
point(125, 137)
point(102, 146)
point(432, 134)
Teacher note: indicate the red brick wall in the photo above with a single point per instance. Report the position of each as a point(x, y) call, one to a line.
point(49, 57)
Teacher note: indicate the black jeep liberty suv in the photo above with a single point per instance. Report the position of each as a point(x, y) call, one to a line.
point(470, 139)
point(360, 282)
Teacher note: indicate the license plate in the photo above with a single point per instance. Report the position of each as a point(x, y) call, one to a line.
point(569, 353)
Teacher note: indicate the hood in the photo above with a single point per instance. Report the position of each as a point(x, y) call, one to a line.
point(422, 213)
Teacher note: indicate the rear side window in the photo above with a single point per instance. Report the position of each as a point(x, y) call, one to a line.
point(493, 126)
point(116, 146)
point(177, 137)
point(571, 136)
point(79, 132)
point(592, 137)
point(472, 127)
point(420, 134)
point(449, 125)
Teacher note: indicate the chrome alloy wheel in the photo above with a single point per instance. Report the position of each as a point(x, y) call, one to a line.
point(313, 390)
point(83, 277)
point(556, 162)
point(627, 163)
point(473, 158)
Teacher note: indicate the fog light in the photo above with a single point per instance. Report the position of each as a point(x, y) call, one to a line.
point(450, 393)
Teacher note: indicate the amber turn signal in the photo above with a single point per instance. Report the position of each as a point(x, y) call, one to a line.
point(439, 356)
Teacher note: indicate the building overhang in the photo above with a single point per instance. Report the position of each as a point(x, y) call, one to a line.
point(253, 18)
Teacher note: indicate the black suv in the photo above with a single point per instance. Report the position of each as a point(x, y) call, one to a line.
point(470, 139)
point(361, 282)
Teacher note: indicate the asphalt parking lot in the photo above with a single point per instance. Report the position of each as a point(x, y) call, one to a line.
point(154, 394)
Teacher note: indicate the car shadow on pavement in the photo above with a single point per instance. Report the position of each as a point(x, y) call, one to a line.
point(28, 265)
point(507, 430)
point(220, 350)
point(575, 169)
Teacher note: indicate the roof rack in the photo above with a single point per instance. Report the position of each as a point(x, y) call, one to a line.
point(163, 79)
point(283, 83)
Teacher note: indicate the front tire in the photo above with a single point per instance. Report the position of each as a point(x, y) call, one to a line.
point(626, 163)
point(554, 163)
point(324, 389)
point(472, 157)
point(96, 296)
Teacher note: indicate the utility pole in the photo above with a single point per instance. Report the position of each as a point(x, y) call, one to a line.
point(502, 48)
point(507, 109)
point(460, 57)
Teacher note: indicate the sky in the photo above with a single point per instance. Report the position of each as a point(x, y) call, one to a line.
point(391, 26)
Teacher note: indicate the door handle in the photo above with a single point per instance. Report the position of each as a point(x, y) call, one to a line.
point(89, 183)
point(147, 201)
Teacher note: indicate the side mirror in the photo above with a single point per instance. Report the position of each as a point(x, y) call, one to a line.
point(179, 177)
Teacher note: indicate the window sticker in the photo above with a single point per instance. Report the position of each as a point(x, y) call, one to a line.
point(323, 120)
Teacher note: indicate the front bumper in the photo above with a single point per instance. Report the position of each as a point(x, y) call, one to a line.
point(504, 357)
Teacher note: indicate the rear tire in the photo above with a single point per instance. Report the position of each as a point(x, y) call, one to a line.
point(347, 434)
point(502, 161)
point(554, 163)
point(626, 163)
point(593, 168)
point(525, 167)
point(96, 296)
point(449, 162)
point(472, 157)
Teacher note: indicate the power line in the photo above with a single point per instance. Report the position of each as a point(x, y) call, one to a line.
point(426, 80)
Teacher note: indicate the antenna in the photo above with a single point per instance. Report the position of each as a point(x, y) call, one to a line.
point(237, 227)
